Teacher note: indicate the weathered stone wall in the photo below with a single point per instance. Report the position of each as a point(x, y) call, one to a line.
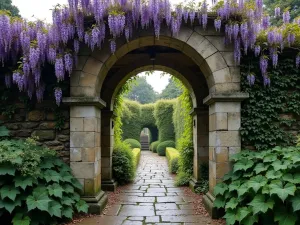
point(52, 127)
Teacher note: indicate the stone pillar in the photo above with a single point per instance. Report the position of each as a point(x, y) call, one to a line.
point(224, 138)
point(200, 141)
point(107, 141)
point(85, 149)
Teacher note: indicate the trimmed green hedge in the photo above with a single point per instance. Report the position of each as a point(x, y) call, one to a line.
point(172, 156)
point(153, 146)
point(161, 148)
point(163, 116)
point(136, 156)
point(148, 120)
point(133, 143)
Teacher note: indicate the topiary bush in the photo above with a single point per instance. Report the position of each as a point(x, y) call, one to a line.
point(36, 187)
point(262, 188)
point(161, 148)
point(153, 146)
point(133, 143)
point(172, 156)
point(136, 157)
point(123, 163)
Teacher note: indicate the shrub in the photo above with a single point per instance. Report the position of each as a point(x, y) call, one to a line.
point(183, 179)
point(36, 187)
point(203, 188)
point(262, 188)
point(136, 157)
point(172, 156)
point(161, 148)
point(154, 145)
point(123, 163)
point(133, 143)
point(186, 159)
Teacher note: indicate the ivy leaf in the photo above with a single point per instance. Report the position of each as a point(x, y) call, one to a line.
point(288, 177)
point(51, 175)
point(20, 220)
point(282, 192)
point(10, 192)
point(234, 185)
point(81, 206)
point(295, 203)
point(232, 203)
point(77, 184)
point(55, 209)
point(67, 212)
point(250, 220)
point(260, 167)
point(68, 188)
point(242, 189)
point(4, 132)
point(47, 164)
point(270, 158)
point(39, 200)
point(230, 217)
point(220, 189)
point(55, 190)
point(278, 165)
point(285, 218)
point(242, 213)
point(259, 204)
point(10, 205)
point(66, 176)
point(67, 201)
point(272, 174)
point(243, 165)
point(23, 182)
point(257, 182)
point(7, 169)
point(219, 202)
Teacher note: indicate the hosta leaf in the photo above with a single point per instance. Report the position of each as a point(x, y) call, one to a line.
point(220, 188)
point(243, 165)
point(219, 202)
point(260, 167)
point(23, 182)
point(295, 203)
point(232, 203)
point(51, 175)
point(242, 189)
point(39, 200)
point(68, 188)
point(270, 158)
point(234, 186)
point(257, 182)
point(285, 218)
point(67, 201)
point(250, 220)
point(67, 212)
point(19, 219)
point(81, 206)
point(259, 204)
point(55, 190)
point(230, 217)
point(272, 174)
point(282, 191)
point(10, 192)
point(242, 213)
point(10, 205)
point(7, 169)
point(55, 209)
point(279, 165)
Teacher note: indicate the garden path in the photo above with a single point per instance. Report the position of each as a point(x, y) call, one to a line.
point(153, 199)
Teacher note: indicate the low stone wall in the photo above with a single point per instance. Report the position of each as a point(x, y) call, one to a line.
point(51, 126)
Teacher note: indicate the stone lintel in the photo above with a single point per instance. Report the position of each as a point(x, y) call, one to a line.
point(96, 203)
point(225, 97)
point(85, 101)
point(199, 111)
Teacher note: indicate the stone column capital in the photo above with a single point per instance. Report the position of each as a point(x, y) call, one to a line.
point(84, 101)
point(225, 97)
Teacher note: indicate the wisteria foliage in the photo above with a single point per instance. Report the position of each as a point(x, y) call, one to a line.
point(29, 45)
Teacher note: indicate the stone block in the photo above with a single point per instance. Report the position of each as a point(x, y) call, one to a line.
point(220, 154)
point(218, 42)
point(90, 187)
point(229, 58)
point(233, 150)
point(87, 80)
point(106, 173)
point(74, 78)
point(97, 139)
point(202, 140)
point(75, 154)
point(221, 121)
point(82, 139)
point(106, 151)
point(224, 139)
point(184, 34)
point(235, 74)
point(44, 135)
point(84, 170)
point(222, 76)
point(92, 66)
point(90, 124)
point(234, 121)
point(36, 115)
point(47, 125)
point(84, 111)
point(222, 169)
point(206, 49)
point(82, 91)
point(81, 61)
point(195, 41)
point(106, 162)
point(76, 124)
point(225, 107)
point(63, 138)
point(216, 62)
point(107, 140)
point(88, 154)
point(29, 125)
point(226, 87)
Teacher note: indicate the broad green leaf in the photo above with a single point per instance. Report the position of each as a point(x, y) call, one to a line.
point(220, 188)
point(47, 164)
point(243, 189)
point(260, 204)
point(68, 188)
point(270, 158)
point(51, 175)
point(272, 174)
point(55, 190)
point(260, 167)
point(242, 213)
point(66, 176)
point(288, 177)
point(75, 196)
point(4, 132)
point(81, 206)
point(39, 200)
point(219, 202)
point(10, 205)
point(285, 218)
point(67, 212)
point(76, 184)
point(234, 186)
point(19, 219)
point(10, 192)
point(23, 182)
point(7, 169)
point(243, 165)
point(295, 203)
point(67, 201)
point(278, 165)
point(250, 220)
point(257, 182)
point(295, 158)
point(282, 191)
point(233, 202)
point(55, 209)
point(230, 217)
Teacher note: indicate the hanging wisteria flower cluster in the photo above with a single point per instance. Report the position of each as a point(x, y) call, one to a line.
point(31, 45)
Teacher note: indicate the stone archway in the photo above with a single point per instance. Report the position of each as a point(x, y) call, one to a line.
point(91, 117)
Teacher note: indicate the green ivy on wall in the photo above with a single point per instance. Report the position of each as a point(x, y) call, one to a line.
point(270, 114)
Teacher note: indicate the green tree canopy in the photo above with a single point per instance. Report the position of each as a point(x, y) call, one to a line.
point(142, 92)
point(7, 5)
point(171, 91)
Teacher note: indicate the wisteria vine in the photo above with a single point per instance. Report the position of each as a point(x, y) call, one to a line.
point(29, 45)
